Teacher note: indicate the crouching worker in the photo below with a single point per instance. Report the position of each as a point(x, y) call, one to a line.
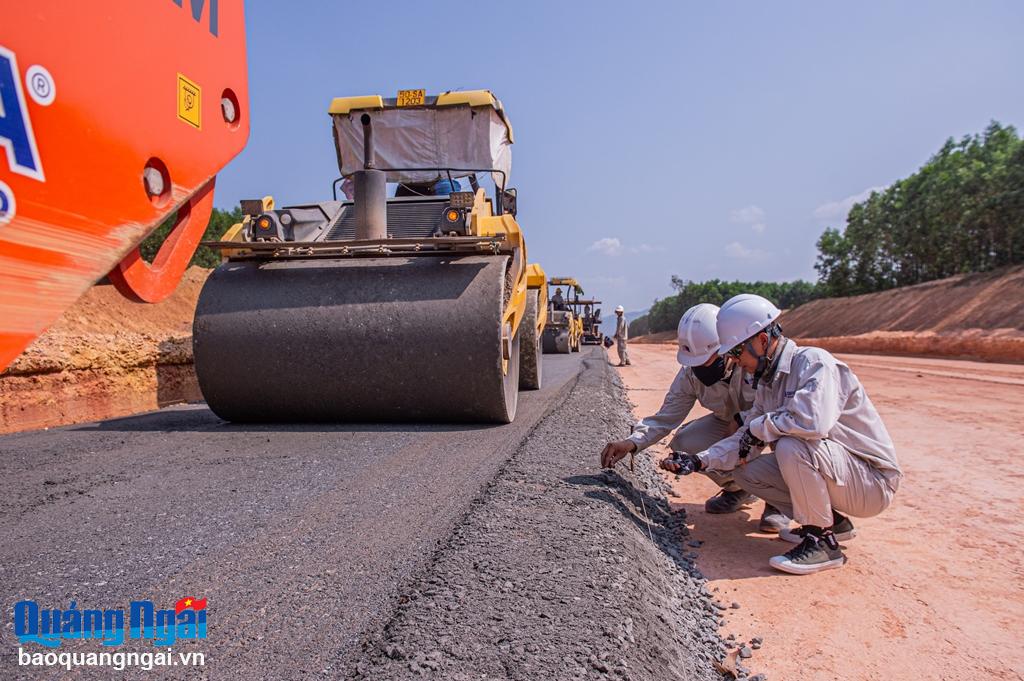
point(830, 455)
point(719, 386)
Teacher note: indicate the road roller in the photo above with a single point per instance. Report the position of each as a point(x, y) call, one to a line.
point(404, 298)
point(564, 328)
point(590, 316)
point(536, 318)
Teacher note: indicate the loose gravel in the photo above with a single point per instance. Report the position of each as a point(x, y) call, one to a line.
point(558, 570)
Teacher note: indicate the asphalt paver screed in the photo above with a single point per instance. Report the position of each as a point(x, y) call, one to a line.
point(558, 570)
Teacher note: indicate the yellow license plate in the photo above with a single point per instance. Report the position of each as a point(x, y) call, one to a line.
point(411, 97)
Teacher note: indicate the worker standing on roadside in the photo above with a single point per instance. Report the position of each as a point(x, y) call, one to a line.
point(719, 386)
point(830, 453)
point(621, 335)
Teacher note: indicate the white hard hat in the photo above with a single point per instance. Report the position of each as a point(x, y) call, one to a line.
point(698, 337)
point(619, 308)
point(743, 316)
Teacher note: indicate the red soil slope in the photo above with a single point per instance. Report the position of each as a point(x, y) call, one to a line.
point(979, 316)
point(105, 357)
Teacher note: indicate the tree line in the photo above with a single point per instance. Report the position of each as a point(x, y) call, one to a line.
point(665, 313)
point(961, 212)
point(220, 222)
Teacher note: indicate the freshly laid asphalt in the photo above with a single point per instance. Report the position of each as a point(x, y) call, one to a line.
point(297, 536)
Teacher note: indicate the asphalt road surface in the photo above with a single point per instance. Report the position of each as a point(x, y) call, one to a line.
point(298, 536)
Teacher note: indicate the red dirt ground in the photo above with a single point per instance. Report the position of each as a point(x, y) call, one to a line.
point(934, 587)
point(105, 357)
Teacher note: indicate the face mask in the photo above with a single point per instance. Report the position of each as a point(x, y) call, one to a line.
point(711, 374)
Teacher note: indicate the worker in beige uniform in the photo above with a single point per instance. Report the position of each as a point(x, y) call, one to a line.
point(621, 336)
point(829, 454)
point(719, 386)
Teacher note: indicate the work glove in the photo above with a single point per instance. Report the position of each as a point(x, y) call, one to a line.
point(682, 463)
point(749, 441)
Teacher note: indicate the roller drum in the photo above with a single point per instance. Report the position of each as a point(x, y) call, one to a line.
point(530, 364)
point(376, 339)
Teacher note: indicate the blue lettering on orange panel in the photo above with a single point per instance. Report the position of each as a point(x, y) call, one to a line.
point(197, 12)
point(16, 136)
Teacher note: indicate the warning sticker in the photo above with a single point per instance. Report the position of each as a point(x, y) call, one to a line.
point(189, 102)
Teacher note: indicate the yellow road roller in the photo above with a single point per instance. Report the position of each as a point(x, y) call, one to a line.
point(536, 318)
point(564, 329)
point(405, 298)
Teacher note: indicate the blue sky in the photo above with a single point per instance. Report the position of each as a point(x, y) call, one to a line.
point(702, 139)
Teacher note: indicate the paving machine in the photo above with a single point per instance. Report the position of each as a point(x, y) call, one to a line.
point(406, 299)
point(564, 329)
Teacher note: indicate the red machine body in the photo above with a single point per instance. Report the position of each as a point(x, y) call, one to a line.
point(112, 116)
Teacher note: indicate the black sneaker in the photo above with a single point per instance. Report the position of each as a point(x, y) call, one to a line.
point(813, 554)
point(773, 521)
point(842, 528)
point(728, 502)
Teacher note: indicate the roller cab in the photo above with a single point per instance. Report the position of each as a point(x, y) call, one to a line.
point(404, 297)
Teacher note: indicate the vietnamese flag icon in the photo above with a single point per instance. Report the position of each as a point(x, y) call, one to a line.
point(189, 603)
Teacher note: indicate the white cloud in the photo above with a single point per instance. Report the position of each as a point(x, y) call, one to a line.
point(736, 250)
point(836, 211)
point(607, 246)
point(749, 215)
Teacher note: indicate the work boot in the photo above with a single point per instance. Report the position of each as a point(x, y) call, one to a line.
point(818, 551)
point(842, 528)
point(773, 521)
point(728, 502)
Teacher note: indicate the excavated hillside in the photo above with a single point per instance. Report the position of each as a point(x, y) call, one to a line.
point(976, 316)
point(105, 357)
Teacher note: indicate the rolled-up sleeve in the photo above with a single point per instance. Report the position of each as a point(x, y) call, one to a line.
point(811, 412)
point(677, 405)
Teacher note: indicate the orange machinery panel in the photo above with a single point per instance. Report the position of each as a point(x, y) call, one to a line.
point(112, 116)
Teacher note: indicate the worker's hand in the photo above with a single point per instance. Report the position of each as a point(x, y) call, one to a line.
point(614, 451)
point(681, 463)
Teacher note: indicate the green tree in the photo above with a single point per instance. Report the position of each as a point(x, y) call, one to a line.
point(220, 222)
point(962, 211)
point(665, 313)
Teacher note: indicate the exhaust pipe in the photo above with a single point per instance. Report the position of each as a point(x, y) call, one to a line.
point(371, 192)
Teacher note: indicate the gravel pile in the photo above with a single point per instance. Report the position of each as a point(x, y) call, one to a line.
point(558, 570)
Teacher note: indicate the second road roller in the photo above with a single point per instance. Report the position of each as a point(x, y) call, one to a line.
point(404, 299)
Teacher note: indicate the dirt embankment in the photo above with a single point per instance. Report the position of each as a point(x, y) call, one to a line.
point(105, 357)
point(977, 316)
point(970, 316)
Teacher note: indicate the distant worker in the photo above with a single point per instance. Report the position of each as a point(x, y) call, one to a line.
point(830, 453)
point(557, 301)
point(719, 385)
point(621, 336)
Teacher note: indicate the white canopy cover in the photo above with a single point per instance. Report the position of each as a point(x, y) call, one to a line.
point(441, 137)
